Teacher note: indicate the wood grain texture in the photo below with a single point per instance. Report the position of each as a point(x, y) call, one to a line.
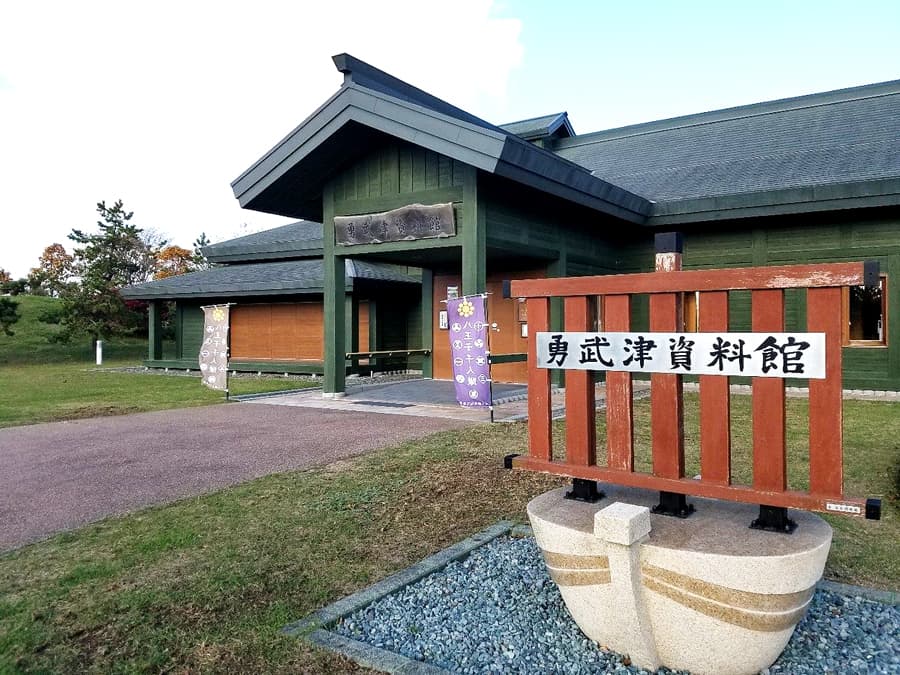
point(786, 276)
point(715, 398)
point(826, 472)
point(769, 447)
point(581, 434)
point(619, 392)
point(540, 443)
point(688, 486)
point(666, 401)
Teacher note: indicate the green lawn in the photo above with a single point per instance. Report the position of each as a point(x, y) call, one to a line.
point(31, 342)
point(206, 583)
point(42, 381)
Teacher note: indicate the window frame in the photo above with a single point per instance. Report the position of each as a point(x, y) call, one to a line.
point(846, 341)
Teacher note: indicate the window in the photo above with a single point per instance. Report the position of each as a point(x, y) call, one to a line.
point(865, 312)
point(692, 312)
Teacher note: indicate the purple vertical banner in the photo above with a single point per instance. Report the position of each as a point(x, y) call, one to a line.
point(467, 317)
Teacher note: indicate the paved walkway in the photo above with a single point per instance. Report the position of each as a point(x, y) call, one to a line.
point(62, 475)
point(429, 398)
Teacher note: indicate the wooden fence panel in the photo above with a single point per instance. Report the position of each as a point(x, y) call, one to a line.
point(581, 434)
point(769, 447)
point(619, 393)
point(715, 399)
point(666, 400)
point(826, 475)
point(540, 441)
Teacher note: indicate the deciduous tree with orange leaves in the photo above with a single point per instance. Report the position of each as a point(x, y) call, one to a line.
point(172, 261)
point(53, 271)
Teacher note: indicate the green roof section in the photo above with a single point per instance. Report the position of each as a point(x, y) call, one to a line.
point(826, 151)
point(290, 277)
point(371, 105)
point(837, 149)
point(556, 125)
point(302, 239)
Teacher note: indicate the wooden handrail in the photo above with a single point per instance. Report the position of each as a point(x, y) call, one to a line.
point(497, 359)
point(352, 356)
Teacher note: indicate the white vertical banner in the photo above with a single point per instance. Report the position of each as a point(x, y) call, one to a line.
point(214, 347)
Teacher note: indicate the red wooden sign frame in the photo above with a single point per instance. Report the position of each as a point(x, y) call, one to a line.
point(822, 284)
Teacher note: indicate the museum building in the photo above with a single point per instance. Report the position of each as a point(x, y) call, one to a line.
point(401, 198)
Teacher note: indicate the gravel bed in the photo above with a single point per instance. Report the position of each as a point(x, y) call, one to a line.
point(498, 611)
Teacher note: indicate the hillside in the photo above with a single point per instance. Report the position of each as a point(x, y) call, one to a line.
point(31, 341)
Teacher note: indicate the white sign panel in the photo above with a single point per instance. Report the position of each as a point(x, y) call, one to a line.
point(800, 355)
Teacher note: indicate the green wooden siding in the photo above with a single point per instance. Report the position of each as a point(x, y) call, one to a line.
point(823, 239)
point(527, 224)
point(191, 331)
point(397, 169)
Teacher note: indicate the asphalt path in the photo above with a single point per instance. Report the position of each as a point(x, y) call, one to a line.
point(58, 476)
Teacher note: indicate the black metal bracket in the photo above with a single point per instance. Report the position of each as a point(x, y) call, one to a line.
point(871, 273)
point(673, 504)
point(584, 491)
point(508, 460)
point(773, 519)
point(873, 509)
point(669, 242)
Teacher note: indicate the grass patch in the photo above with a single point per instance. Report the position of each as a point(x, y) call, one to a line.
point(206, 583)
point(64, 391)
point(32, 340)
point(44, 381)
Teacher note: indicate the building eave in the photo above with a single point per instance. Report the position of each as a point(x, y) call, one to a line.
point(819, 198)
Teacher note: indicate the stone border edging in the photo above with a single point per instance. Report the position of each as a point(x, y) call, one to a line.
point(272, 394)
point(884, 597)
point(314, 626)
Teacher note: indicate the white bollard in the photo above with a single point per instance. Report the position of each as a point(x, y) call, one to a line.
point(99, 352)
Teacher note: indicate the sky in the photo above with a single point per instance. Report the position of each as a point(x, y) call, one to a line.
point(163, 104)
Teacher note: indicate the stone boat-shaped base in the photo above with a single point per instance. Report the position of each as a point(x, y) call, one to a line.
point(705, 594)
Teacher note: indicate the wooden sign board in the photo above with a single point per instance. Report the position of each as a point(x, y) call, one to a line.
point(800, 355)
point(407, 223)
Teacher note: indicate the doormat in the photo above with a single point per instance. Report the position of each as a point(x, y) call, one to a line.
point(488, 605)
point(384, 404)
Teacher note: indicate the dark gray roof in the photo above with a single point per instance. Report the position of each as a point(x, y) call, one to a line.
point(269, 278)
point(302, 239)
point(288, 180)
point(540, 127)
point(825, 148)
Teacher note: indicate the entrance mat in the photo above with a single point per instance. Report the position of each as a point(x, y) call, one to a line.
point(384, 404)
point(497, 610)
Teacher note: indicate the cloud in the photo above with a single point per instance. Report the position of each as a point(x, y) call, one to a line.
point(163, 104)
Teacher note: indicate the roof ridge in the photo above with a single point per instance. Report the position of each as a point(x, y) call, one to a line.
point(359, 72)
point(759, 109)
point(533, 119)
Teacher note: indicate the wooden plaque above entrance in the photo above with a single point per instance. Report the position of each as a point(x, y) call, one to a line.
point(407, 223)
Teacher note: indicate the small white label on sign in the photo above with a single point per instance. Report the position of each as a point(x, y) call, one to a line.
point(843, 508)
point(799, 355)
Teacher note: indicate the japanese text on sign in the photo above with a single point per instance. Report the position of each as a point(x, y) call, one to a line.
point(800, 355)
point(469, 350)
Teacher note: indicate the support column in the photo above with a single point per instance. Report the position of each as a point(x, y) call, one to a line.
point(179, 330)
point(154, 331)
point(428, 322)
point(474, 237)
point(335, 304)
point(351, 328)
